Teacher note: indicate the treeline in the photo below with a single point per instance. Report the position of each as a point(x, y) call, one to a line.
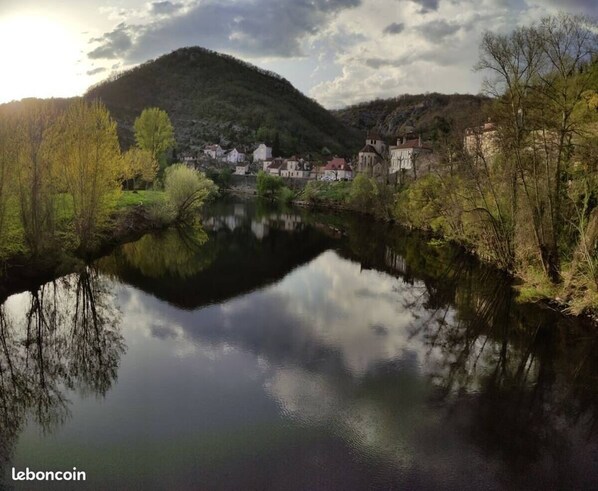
point(525, 196)
point(62, 170)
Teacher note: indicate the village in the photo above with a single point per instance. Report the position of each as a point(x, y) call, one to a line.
point(410, 158)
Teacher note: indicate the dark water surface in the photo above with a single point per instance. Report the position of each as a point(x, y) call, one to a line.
point(294, 350)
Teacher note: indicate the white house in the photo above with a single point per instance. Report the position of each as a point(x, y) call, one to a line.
point(262, 152)
point(337, 169)
point(242, 169)
point(234, 156)
point(214, 151)
point(371, 154)
point(406, 154)
point(295, 167)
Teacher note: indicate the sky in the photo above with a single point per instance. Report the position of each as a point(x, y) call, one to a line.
point(338, 52)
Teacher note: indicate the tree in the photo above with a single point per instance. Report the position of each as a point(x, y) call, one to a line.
point(539, 76)
point(154, 132)
point(83, 146)
point(363, 193)
point(35, 174)
point(8, 167)
point(187, 189)
point(268, 186)
point(139, 164)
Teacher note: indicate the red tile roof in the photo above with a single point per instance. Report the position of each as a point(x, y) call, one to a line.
point(337, 163)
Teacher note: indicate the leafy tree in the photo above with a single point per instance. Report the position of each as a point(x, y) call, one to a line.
point(363, 193)
point(36, 174)
point(8, 167)
point(268, 185)
point(139, 164)
point(83, 146)
point(154, 132)
point(187, 189)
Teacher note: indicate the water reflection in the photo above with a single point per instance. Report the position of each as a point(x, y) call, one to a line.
point(345, 353)
point(63, 336)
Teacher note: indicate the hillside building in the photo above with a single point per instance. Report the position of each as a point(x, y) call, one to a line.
point(262, 152)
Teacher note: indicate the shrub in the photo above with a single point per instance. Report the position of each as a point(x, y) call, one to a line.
point(268, 186)
point(186, 189)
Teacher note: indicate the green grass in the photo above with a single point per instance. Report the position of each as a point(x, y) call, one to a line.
point(134, 198)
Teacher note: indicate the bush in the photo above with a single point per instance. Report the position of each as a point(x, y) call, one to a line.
point(285, 195)
point(363, 193)
point(186, 189)
point(268, 186)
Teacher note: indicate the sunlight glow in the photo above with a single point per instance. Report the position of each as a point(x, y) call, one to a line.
point(38, 58)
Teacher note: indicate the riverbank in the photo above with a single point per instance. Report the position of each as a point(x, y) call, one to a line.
point(132, 218)
point(530, 287)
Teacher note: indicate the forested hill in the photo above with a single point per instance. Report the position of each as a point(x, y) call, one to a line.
point(426, 114)
point(215, 98)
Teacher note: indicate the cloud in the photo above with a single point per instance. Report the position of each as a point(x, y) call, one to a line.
point(113, 44)
point(165, 8)
point(394, 28)
point(95, 71)
point(437, 30)
point(427, 5)
point(262, 28)
point(589, 7)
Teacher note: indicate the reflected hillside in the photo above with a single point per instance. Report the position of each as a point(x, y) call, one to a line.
point(240, 247)
point(63, 337)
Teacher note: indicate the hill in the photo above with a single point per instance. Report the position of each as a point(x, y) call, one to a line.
point(426, 114)
point(213, 98)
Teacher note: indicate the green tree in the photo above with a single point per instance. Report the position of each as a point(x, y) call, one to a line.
point(36, 176)
point(139, 164)
point(83, 146)
point(154, 132)
point(268, 186)
point(187, 189)
point(363, 193)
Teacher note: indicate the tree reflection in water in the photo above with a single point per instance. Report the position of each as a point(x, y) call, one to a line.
point(514, 378)
point(178, 252)
point(68, 339)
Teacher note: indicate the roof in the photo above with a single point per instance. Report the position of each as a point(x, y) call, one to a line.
point(337, 163)
point(276, 163)
point(413, 144)
point(212, 147)
point(372, 135)
point(368, 149)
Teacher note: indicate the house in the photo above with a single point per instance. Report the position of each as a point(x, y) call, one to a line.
point(242, 168)
point(234, 156)
point(188, 159)
point(274, 166)
point(296, 168)
point(408, 155)
point(481, 141)
point(337, 169)
point(214, 151)
point(262, 152)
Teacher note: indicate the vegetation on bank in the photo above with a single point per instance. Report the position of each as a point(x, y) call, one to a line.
point(62, 176)
point(273, 188)
point(528, 201)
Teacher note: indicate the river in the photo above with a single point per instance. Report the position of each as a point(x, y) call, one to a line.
point(289, 349)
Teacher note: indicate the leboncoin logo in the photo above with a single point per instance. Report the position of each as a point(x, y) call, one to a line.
point(29, 475)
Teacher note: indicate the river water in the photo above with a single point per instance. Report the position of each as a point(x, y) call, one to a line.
point(288, 349)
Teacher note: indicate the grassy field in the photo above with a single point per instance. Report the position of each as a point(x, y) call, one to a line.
point(134, 198)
